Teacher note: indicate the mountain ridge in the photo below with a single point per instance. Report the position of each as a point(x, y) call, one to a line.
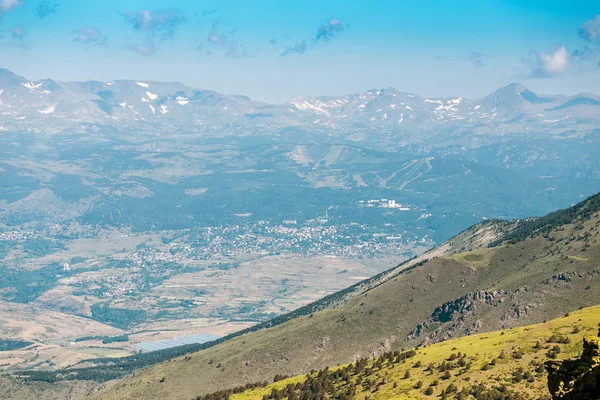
point(517, 86)
point(500, 365)
point(52, 106)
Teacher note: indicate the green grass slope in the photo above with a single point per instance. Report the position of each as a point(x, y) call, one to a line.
point(500, 364)
point(543, 273)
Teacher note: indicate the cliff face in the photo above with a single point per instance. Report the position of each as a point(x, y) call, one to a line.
point(577, 379)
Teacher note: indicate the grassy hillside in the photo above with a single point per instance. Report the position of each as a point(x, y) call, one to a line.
point(465, 287)
point(508, 362)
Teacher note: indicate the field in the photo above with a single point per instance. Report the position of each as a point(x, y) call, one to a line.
point(51, 332)
point(158, 236)
point(211, 297)
point(270, 285)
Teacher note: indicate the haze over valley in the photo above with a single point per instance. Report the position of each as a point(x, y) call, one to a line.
point(319, 200)
point(150, 224)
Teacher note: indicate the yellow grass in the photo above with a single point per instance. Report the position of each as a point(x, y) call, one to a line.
point(480, 350)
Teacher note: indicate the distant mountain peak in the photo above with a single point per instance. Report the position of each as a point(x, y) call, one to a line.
point(511, 91)
point(48, 105)
point(515, 87)
point(6, 75)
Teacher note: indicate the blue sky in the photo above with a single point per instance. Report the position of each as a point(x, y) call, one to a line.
point(272, 50)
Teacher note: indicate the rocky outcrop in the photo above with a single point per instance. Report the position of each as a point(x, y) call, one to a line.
point(451, 317)
point(515, 312)
point(577, 379)
point(565, 279)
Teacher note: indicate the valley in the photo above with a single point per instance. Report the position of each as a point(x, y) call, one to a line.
point(86, 235)
point(316, 200)
point(222, 220)
point(494, 276)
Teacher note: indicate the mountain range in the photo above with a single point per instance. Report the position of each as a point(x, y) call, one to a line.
point(147, 149)
point(50, 106)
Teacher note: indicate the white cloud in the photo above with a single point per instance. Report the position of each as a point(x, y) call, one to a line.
point(18, 33)
point(164, 22)
point(46, 8)
point(231, 46)
point(7, 5)
point(476, 59)
point(590, 30)
point(329, 30)
point(298, 48)
point(325, 33)
point(546, 64)
point(145, 48)
point(90, 36)
point(556, 61)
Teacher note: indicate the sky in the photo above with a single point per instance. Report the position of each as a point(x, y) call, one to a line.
point(273, 50)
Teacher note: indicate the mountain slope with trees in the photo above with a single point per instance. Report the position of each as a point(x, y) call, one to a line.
point(456, 290)
point(506, 364)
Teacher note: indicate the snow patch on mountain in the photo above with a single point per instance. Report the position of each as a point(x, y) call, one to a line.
point(89, 104)
point(48, 110)
point(31, 85)
point(318, 107)
point(553, 121)
point(182, 100)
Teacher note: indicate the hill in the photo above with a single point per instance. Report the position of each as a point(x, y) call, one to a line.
point(464, 287)
point(499, 364)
